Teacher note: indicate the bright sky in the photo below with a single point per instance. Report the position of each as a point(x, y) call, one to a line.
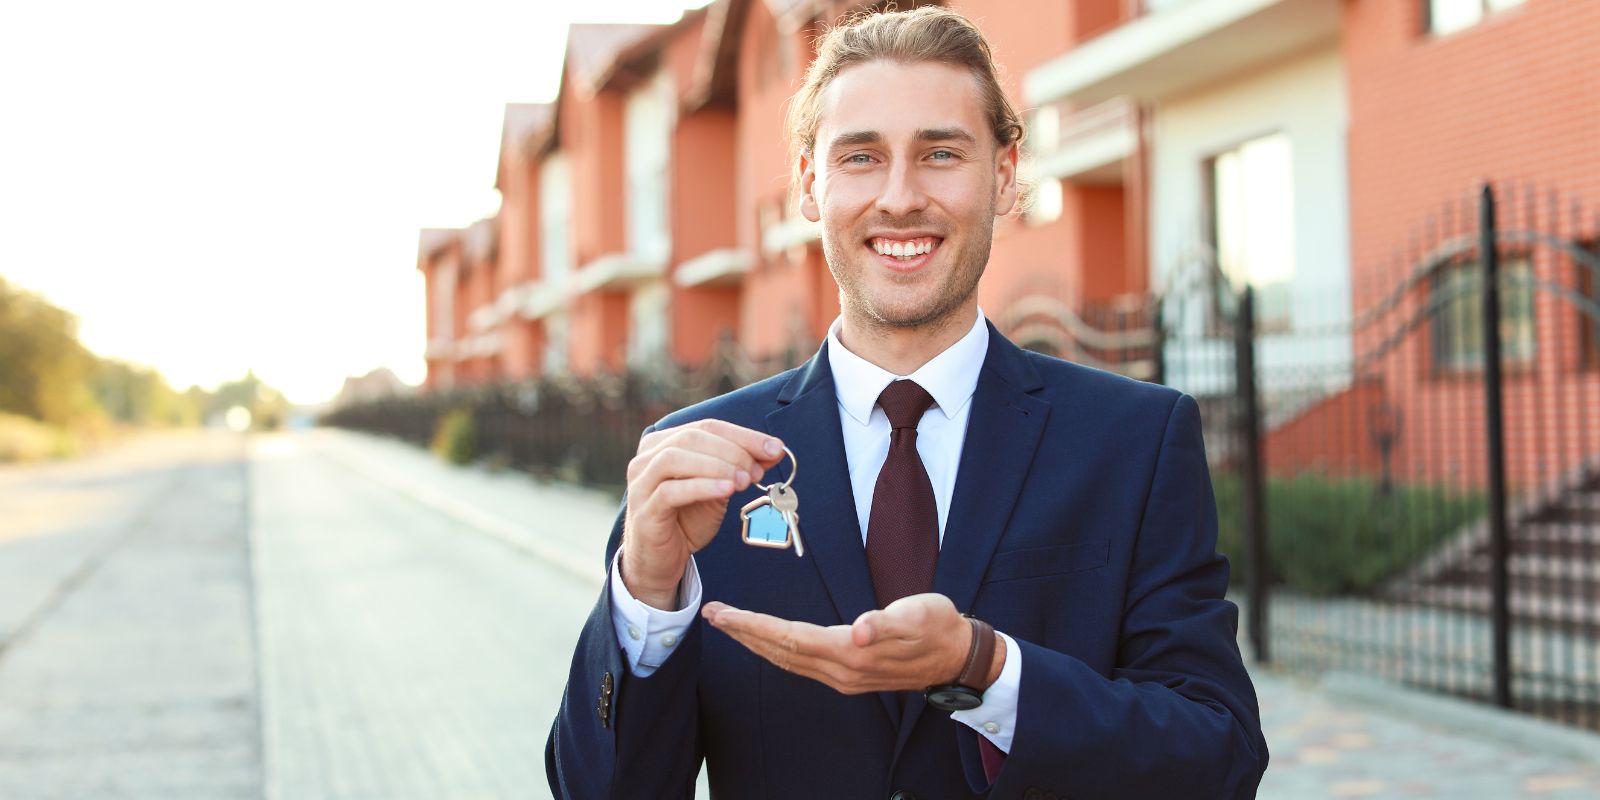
point(213, 187)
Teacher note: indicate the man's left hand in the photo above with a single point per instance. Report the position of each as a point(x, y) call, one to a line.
point(915, 642)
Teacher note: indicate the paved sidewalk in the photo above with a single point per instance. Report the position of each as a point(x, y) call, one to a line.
point(410, 647)
point(1362, 740)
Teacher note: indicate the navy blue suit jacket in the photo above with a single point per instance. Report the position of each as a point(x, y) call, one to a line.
point(1082, 525)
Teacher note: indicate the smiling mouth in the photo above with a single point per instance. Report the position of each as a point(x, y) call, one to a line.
point(904, 255)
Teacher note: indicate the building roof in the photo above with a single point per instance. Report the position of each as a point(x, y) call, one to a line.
point(431, 240)
point(524, 123)
point(716, 71)
point(593, 48)
point(782, 9)
point(523, 120)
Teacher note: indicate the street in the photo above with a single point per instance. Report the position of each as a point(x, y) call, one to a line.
point(321, 614)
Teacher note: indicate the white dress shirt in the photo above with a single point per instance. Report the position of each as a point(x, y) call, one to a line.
point(647, 635)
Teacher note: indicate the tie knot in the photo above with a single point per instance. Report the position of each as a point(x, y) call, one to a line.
point(904, 402)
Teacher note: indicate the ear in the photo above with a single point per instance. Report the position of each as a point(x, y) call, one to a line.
point(1005, 180)
point(808, 180)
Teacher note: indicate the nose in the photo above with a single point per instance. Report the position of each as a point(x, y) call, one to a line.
point(901, 193)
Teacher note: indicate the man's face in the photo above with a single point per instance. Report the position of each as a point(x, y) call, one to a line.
point(905, 162)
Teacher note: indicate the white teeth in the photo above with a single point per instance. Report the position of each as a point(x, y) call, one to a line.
point(910, 249)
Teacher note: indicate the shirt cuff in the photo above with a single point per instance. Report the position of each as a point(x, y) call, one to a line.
point(996, 719)
point(648, 635)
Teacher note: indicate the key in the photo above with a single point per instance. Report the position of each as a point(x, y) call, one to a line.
point(794, 532)
point(784, 499)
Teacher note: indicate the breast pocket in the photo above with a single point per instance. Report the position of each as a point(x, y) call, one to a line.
point(1040, 562)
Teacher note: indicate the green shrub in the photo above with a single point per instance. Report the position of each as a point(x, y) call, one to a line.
point(455, 438)
point(1341, 535)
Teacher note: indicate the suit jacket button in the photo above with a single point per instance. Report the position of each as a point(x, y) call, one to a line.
point(902, 794)
point(602, 706)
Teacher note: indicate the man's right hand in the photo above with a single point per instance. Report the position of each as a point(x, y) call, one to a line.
point(678, 489)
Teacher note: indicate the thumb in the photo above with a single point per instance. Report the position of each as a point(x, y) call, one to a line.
point(868, 629)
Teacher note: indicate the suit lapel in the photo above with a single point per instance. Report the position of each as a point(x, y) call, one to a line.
point(1003, 433)
point(808, 422)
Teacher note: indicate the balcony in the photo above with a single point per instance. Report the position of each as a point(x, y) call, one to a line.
point(619, 271)
point(1180, 46)
point(779, 237)
point(1086, 146)
point(540, 299)
point(439, 347)
point(716, 268)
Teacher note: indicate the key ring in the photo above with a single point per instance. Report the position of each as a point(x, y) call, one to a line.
point(792, 472)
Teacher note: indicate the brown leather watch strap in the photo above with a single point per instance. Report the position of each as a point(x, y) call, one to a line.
point(979, 655)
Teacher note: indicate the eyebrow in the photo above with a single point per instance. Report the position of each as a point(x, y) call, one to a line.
point(855, 138)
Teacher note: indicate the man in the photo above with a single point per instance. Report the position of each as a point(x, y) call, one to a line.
point(945, 471)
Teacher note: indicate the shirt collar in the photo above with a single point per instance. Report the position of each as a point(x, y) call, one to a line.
point(950, 377)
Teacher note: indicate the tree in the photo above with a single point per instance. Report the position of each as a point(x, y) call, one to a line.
point(44, 370)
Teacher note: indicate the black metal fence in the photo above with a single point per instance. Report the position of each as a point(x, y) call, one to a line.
point(1411, 488)
point(1408, 484)
point(583, 430)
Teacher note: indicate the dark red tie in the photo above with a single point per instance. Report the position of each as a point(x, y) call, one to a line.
point(903, 530)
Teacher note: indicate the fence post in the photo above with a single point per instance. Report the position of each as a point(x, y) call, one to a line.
point(1494, 413)
point(1251, 482)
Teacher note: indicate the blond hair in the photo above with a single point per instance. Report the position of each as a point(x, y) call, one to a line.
point(928, 33)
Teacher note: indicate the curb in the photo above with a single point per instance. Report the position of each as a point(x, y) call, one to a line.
point(1466, 717)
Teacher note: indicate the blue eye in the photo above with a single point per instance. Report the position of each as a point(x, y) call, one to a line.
point(948, 156)
point(858, 158)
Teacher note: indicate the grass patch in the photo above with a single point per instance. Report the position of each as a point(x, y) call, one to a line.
point(1328, 536)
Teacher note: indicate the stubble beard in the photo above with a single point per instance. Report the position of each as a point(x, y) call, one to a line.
point(966, 268)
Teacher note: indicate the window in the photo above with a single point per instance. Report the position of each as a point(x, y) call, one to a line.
point(648, 124)
point(1589, 319)
point(1252, 196)
point(444, 302)
point(647, 325)
point(556, 338)
point(1043, 202)
point(555, 209)
point(1458, 314)
point(1449, 16)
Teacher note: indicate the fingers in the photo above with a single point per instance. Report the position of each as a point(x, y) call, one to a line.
point(835, 655)
point(778, 636)
point(688, 491)
point(815, 652)
point(908, 619)
point(749, 450)
point(676, 478)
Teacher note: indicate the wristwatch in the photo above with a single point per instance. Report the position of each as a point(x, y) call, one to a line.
point(963, 695)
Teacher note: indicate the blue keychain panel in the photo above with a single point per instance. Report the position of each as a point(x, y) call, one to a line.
point(768, 525)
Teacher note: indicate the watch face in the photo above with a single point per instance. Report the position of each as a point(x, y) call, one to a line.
point(953, 698)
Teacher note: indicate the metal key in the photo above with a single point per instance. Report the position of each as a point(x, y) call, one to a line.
point(785, 500)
